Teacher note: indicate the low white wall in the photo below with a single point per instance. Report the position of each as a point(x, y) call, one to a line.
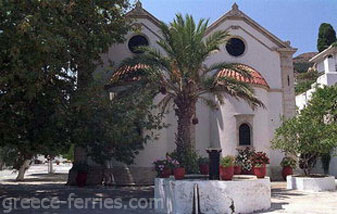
point(239, 196)
point(311, 184)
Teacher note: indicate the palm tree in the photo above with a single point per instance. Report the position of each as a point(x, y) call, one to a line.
point(183, 76)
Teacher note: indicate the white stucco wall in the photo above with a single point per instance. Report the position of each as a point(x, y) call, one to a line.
point(218, 128)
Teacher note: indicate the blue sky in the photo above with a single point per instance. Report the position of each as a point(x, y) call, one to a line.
point(294, 20)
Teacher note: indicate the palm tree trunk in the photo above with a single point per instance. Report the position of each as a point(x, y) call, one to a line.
point(185, 111)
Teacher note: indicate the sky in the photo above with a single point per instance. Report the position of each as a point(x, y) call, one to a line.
point(294, 20)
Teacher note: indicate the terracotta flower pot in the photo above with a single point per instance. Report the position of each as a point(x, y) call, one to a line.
point(166, 173)
point(81, 179)
point(287, 170)
point(260, 172)
point(247, 172)
point(204, 169)
point(179, 173)
point(226, 173)
point(237, 170)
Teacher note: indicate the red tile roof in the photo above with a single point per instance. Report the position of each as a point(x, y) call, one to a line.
point(256, 77)
point(128, 74)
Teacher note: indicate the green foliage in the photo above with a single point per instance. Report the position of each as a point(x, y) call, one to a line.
point(188, 160)
point(302, 67)
point(305, 80)
point(326, 36)
point(43, 45)
point(313, 132)
point(227, 161)
point(288, 161)
point(203, 160)
point(70, 154)
point(116, 128)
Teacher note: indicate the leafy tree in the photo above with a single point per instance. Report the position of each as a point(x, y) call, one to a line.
point(305, 80)
point(43, 44)
point(184, 77)
point(116, 128)
point(326, 36)
point(313, 132)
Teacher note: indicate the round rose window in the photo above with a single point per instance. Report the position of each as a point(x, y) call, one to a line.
point(235, 47)
point(137, 41)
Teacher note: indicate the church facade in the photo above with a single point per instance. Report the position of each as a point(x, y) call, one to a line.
point(234, 125)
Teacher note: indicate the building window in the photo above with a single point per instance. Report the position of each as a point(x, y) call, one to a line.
point(244, 135)
point(137, 41)
point(235, 47)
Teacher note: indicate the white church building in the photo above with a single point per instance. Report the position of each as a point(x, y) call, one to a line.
point(326, 64)
point(234, 125)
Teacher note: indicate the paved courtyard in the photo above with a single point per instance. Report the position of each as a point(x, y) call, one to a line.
point(57, 198)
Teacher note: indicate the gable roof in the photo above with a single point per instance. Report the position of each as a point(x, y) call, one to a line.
point(233, 14)
point(237, 14)
point(140, 12)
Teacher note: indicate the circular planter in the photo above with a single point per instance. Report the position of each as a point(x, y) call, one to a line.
point(260, 172)
point(237, 170)
point(204, 169)
point(179, 173)
point(314, 184)
point(226, 173)
point(287, 170)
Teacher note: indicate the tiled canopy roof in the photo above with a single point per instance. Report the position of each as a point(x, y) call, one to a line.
point(129, 74)
point(256, 77)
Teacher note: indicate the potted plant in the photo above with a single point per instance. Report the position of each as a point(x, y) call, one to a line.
point(288, 164)
point(178, 170)
point(203, 165)
point(227, 167)
point(243, 159)
point(259, 160)
point(237, 167)
point(163, 168)
point(82, 173)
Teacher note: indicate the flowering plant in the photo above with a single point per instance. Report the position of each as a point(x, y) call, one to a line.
point(173, 163)
point(288, 161)
point(259, 159)
point(243, 159)
point(167, 163)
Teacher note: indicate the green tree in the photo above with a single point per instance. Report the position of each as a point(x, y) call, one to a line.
point(184, 77)
point(313, 132)
point(43, 45)
point(326, 36)
point(113, 128)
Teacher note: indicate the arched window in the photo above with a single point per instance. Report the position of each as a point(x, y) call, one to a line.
point(244, 135)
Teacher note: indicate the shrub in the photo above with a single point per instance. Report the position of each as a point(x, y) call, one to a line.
point(288, 161)
point(203, 160)
point(227, 161)
point(187, 159)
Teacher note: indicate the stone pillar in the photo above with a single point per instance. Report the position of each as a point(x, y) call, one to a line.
point(287, 76)
point(214, 163)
